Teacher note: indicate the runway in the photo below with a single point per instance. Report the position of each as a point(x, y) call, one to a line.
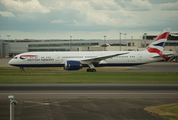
point(85, 101)
point(73, 87)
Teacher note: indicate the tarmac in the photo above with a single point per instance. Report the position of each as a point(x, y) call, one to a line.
point(89, 101)
point(85, 101)
point(4, 62)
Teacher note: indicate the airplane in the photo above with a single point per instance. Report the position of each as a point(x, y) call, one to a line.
point(76, 60)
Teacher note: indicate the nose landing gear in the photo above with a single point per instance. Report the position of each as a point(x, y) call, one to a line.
point(22, 69)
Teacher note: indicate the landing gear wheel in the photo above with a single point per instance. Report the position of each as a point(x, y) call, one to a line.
point(88, 70)
point(91, 70)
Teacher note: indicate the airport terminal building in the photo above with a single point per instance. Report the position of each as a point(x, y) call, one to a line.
point(9, 48)
point(13, 47)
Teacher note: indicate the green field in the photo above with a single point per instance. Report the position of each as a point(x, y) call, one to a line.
point(168, 111)
point(55, 75)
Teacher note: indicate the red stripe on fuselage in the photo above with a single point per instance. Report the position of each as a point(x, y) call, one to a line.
point(28, 55)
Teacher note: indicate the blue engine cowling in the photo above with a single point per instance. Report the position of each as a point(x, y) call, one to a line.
point(72, 65)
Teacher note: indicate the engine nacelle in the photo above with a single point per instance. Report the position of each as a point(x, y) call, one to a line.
point(72, 65)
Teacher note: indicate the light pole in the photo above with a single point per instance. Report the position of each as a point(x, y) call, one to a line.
point(145, 34)
point(8, 36)
point(125, 35)
point(104, 43)
point(120, 41)
point(70, 42)
point(12, 103)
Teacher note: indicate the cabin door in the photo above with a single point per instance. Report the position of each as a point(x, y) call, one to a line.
point(139, 56)
point(58, 58)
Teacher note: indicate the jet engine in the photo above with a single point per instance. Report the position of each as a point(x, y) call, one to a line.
point(72, 65)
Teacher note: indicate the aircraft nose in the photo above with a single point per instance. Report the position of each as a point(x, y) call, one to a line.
point(10, 62)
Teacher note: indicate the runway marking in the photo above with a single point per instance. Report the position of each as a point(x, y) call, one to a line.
point(89, 93)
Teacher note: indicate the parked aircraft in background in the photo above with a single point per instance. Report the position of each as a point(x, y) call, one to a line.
point(76, 60)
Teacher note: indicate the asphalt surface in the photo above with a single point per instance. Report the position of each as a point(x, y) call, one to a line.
point(155, 67)
point(4, 62)
point(85, 101)
point(87, 87)
point(89, 101)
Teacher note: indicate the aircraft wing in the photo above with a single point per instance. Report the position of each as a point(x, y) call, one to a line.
point(102, 57)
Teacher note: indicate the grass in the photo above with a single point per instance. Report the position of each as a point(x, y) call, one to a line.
point(168, 112)
point(57, 75)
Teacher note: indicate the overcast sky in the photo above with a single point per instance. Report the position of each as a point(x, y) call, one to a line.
point(86, 19)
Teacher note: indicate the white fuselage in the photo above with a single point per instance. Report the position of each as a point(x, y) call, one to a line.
point(58, 59)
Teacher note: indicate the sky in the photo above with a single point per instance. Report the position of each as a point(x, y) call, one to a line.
point(86, 19)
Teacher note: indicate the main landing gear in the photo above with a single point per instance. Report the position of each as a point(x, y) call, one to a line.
point(91, 70)
point(22, 69)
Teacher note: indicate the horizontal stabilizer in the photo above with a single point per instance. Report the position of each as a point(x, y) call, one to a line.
point(163, 55)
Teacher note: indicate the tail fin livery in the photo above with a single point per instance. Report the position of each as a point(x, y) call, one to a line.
point(158, 44)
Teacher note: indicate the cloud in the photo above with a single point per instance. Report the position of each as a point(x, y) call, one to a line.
point(133, 5)
point(29, 6)
point(169, 6)
point(104, 5)
point(58, 21)
point(105, 12)
point(93, 13)
point(136, 5)
point(87, 15)
point(7, 14)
